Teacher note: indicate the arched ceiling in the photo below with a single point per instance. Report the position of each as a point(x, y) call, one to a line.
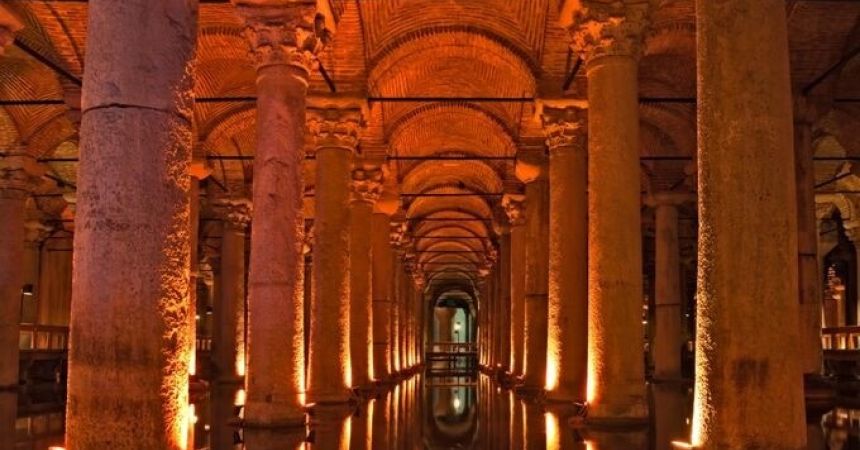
point(450, 156)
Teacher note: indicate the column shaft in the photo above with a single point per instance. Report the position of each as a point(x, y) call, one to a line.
point(361, 296)
point(130, 343)
point(747, 291)
point(11, 282)
point(504, 324)
point(275, 380)
point(330, 373)
point(809, 273)
point(567, 337)
point(381, 279)
point(616, 370)
point(667, 295)
point(518, 274)
point(536, 283)
point(229, 339)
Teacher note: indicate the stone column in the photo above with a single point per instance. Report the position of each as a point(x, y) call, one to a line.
point(130, 339)
point(809, 272)
point(283, 44)
point(504, 324)
point(567, 337)
point(196, 321)
point(667, 340)
point(531, 170)
point(608, 38)
point(383, 260)
point(18, 172)
point(335, 133)
point(228, 348)
point(747, 368)
point(366, 189)
point(514, 206)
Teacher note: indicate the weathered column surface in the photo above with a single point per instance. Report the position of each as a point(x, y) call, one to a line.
point(228, 346)
point(532, 170)
point(749, 386)
point(131, 343)
point(667, 341)
point(283, 44)
point(18, 172)
point(809, 272)
point(366, 189)
point(514, 206)
point(383, 260)
point(567, 336)
point(335, 133)
point(608, 38)
point(504, 324)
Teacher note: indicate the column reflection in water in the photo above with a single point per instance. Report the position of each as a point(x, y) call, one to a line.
point(330, 428)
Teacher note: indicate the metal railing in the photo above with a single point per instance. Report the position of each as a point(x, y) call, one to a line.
point(840, 338)
point(43, 338)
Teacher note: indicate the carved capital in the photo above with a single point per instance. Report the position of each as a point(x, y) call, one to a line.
point(367, 184)
point(515, 208)
point(290, 35)
point(609, 29)
point(334, 127)
point(19, 175)
point(9, 25)
point(36, 231)
point(399, 237)
point(564, 127)
point(236, 212)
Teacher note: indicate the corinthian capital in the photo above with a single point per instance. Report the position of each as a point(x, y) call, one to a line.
point(9, 25)
point(19, 175)
point(609, 29)
point(236, 212)
point(515, 208)
point(334, 127)
point(564, 127)
point(367, 183)
point(284, 35)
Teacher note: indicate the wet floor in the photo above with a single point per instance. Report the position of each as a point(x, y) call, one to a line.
point(415, 414)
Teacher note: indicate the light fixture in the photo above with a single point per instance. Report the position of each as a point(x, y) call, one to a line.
point(27, 289)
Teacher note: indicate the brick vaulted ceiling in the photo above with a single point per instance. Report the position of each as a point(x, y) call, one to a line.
point(428, 48)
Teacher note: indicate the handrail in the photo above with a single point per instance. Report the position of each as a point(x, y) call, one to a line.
point(33, 337)
point(452, 347)
point(840, 338)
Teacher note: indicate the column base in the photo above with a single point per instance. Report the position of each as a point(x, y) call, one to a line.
point(287, 422)
point(330, 398)
point(635, 416)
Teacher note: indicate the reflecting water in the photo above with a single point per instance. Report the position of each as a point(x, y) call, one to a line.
point(415, 414)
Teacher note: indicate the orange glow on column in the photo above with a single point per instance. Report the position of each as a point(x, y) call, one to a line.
point(552, 359)
point(591, 382)
point(553, 440)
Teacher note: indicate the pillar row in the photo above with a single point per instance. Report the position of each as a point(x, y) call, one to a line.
point(383, 260)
